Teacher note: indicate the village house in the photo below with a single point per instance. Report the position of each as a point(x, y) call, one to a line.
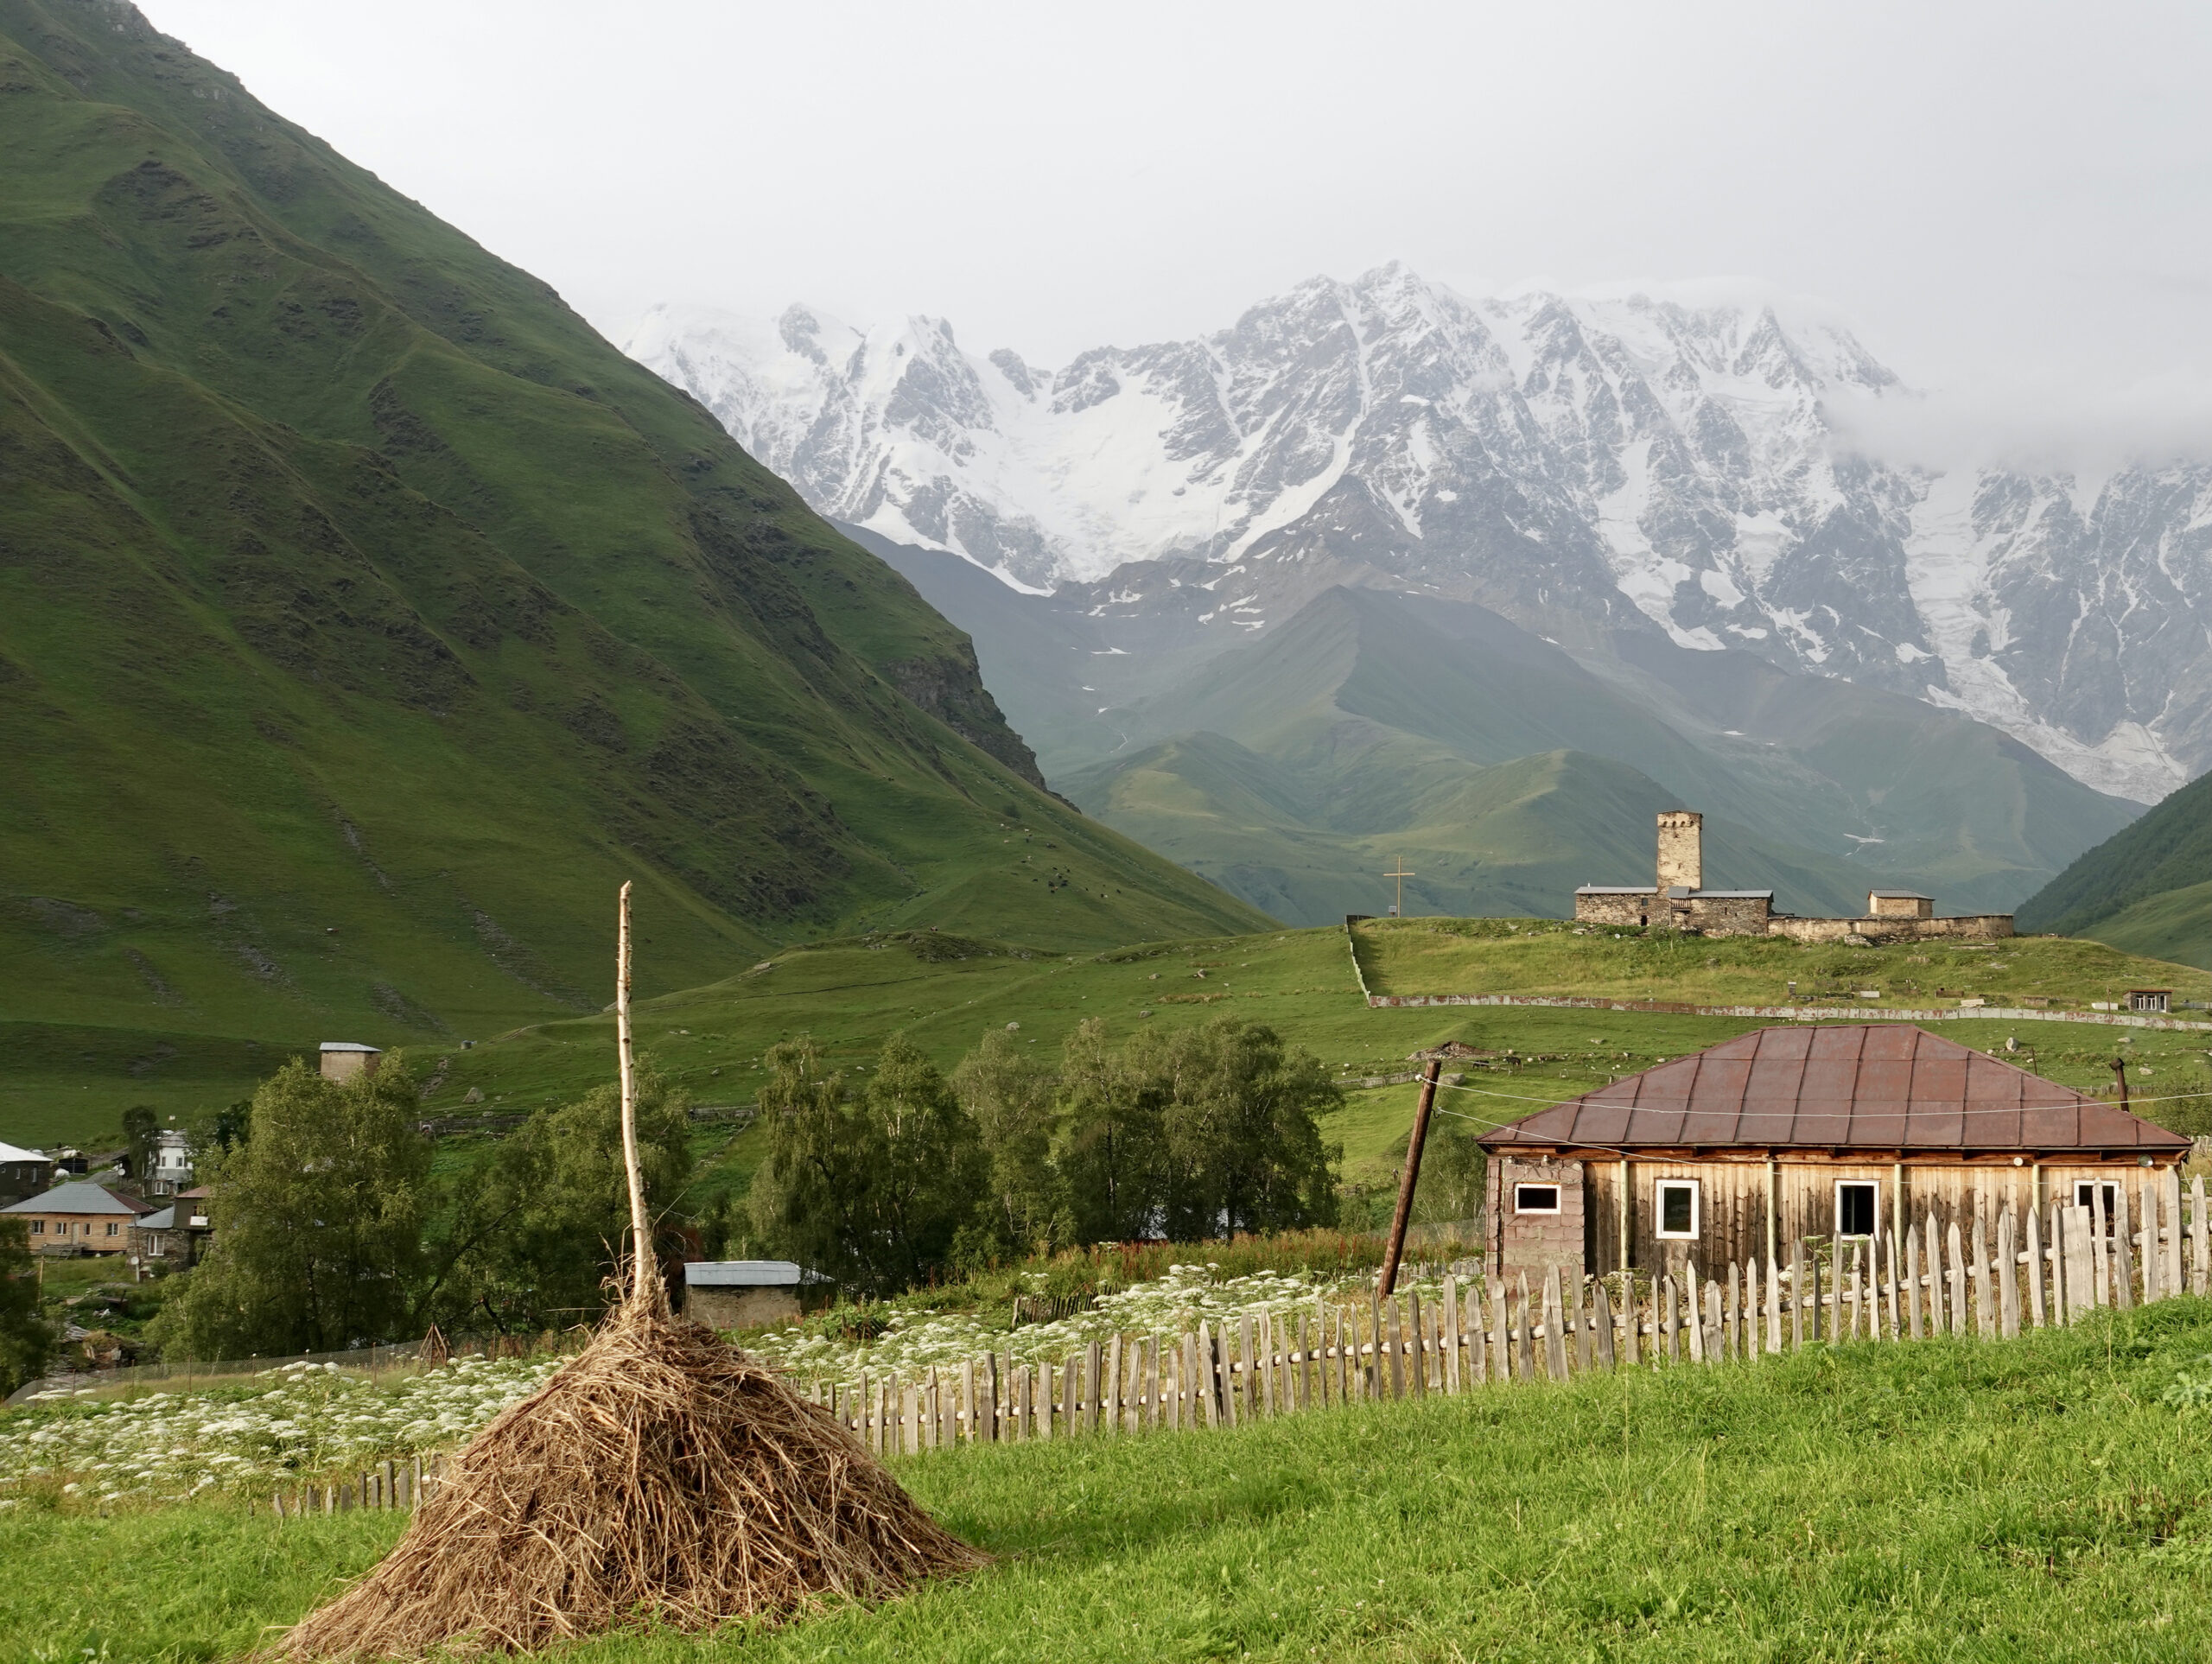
point(751, 1293)
point(1678, 900)
point(171, 1238)
point(23, 1173)
point(1843, 1134)
point(79, 1218)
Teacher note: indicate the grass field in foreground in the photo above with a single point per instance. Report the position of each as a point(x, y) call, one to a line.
point(1953, 1500)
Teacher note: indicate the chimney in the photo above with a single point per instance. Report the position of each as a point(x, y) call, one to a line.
point(1681, 852)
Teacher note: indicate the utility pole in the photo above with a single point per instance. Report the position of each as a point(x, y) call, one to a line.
point(1389, 1282)
point(1400, 871)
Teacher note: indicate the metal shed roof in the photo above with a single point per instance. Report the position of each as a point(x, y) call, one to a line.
point(1877, 1086)
point(748, 1273)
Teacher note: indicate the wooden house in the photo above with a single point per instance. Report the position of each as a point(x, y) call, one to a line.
point(1840, 1134)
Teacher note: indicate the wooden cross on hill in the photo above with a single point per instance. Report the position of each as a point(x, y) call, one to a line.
point(1400, 871)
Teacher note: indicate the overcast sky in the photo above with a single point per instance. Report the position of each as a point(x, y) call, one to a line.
point(2009, 199)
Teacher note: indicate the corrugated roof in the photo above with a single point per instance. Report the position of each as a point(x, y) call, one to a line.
point(748, 1273)
point(82, 1197)
point(349, 1045)
point(1881, 1086)
point(10, 1152)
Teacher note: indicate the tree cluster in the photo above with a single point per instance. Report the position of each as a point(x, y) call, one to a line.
point(1198, 1133)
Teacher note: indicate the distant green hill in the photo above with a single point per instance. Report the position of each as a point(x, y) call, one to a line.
point(2148, 889)
point(364, 619)
point(1371, 727)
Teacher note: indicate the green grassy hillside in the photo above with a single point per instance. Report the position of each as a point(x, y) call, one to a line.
point(1372, 726)
point(1935, 1499)
point(366, 619)
point(1546, 956)
point(2148, 888)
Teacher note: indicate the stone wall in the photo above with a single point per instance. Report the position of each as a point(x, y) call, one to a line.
point(1973, 927)
point(1725, 915)
point(1615, 908)
point(1534, 1242)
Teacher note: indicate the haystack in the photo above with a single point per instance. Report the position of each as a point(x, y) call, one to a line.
point(659, 1475)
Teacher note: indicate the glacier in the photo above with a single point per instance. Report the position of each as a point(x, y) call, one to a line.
point(1584, 464)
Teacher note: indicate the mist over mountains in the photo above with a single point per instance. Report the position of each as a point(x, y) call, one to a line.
point(1595, 470)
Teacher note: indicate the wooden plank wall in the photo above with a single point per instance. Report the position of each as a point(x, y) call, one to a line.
point(1734, 1202)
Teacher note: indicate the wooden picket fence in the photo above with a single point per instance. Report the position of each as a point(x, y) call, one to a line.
point(2030, 1269)
point(399, 1484)
point(2042, 1268)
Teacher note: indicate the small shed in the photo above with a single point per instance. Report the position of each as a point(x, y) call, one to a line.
point(751, 1294)
point(345, 1060)
point(1843, 1133)
point(2159, 1001)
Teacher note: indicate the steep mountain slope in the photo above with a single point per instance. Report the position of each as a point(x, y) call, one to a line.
point(1860, 786)
point(364, 617)
point(1586, 466)
point(2147, 889)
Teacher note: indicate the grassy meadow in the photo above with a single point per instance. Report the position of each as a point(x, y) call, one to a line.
point(944, 991)
point(1951, 1499)
point(1551, 956)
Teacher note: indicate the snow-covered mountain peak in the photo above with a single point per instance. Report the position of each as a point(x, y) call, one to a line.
point(1585, 462)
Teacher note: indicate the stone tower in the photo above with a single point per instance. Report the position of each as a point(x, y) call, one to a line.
point(1681, 849)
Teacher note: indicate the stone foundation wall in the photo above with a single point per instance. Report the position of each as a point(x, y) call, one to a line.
point(1534, 1242)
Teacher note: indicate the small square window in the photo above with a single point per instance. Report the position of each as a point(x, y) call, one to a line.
point(114, 1231)
point(1676, 1206)
point(2085, 1196)
point(1536, 1198)
point(1856, 1207)
point(38, 1226)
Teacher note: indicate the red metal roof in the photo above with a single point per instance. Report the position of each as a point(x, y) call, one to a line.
point(1880, 1086)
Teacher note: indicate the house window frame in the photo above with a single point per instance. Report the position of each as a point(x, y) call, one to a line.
point(1659, 1189)
point(2089, 1201)
point(1843, 1236)
point(1559, 1196)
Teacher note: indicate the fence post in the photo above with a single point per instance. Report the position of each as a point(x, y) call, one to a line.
point(1451, 1381)
point(1602, 1322)
point(2200, 1239)
point(1797, 1295)
point(1985, 1311)
point(1525, 1336)
point(2170, 1282)
point(2038, 1313)
point(2080, 1224)
point(2008, 1282)
point(1501, 1339)
point(1697, 1317)
point(2123, 1247)
point(1773, 1306)
point(1955, 1252)
point(1554, 1327)
point(2100, 1241)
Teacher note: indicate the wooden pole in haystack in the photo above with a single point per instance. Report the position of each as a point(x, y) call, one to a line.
point(1388, 1283)
point(644, 1270)
point(659, 1477)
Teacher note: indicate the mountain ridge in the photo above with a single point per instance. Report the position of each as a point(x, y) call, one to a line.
point(1588, 467)
point(368, 618)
